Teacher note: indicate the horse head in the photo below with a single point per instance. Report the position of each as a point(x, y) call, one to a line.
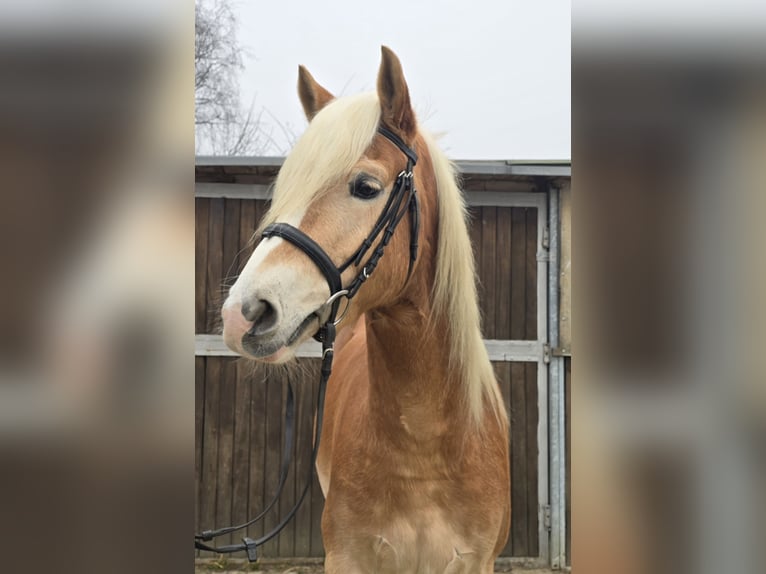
point(338, 191)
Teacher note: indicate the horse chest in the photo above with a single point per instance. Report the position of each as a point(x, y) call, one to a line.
point(403, 530)
point(423, 545)
point(424, 542)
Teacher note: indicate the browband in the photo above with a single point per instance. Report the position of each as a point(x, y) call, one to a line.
point(398, 142)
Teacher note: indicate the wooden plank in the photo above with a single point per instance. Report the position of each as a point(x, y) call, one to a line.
point(304, 470)
point(530, 371)
point(531, 450)
point(214, 266)
point(261, 208)
point(530, 274)
point(502, 309)
point(246, 191)
point(257, 484)
point(503, 374)
point(286, 540)
point(487, 269)
point(518, 271)
point(273, 457)
point(519, 498)
point(474, 231)
point(241, 450)
point(201, 216)
point(210, 445)
point(228, 386)
point(247, 223)
point(498, 349)
point(500, 198)
point(231, 223)
point(317, 498)
point(199, 428)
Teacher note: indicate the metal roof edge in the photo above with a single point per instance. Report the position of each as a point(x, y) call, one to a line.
point(238, 161)
point(544, 168)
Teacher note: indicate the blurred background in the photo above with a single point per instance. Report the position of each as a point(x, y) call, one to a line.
point(669, 142)
point(96, 252)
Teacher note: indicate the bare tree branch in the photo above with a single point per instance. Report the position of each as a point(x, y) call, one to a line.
point(223, 126)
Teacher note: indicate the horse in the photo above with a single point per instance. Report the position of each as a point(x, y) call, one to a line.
point(413, 460)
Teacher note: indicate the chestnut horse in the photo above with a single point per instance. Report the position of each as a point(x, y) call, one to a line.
point(413, 460)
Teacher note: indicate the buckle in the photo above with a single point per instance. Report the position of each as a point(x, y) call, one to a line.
point(252, 549)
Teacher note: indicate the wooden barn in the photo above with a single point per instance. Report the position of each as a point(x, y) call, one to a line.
point(520, 228)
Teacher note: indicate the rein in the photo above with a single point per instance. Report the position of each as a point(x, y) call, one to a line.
point(403, 199)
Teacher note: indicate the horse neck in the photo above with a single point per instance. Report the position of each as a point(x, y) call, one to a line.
point(410, 391)
point(412, 394)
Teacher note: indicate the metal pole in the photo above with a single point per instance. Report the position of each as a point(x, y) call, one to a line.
point(543, 457)
point(556, 390)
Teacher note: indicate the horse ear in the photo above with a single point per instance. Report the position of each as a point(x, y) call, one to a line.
point(394, 96)
point(313, 96)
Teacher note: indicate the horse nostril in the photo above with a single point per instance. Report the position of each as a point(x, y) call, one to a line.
point(262, 314)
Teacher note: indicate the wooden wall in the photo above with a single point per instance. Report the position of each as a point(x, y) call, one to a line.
point(240, 405)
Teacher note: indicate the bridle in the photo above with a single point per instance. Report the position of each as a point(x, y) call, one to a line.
point(402, 199)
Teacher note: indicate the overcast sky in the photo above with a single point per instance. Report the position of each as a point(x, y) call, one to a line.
point(494, 76)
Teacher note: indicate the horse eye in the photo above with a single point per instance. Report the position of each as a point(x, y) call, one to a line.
point(364, 188)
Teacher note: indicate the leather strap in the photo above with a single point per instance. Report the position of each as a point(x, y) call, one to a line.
point(398, 142)
point(310, 248)
point(414, 206)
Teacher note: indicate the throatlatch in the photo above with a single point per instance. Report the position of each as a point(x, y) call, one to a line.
point(403, 199)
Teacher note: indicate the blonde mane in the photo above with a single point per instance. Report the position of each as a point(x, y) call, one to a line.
point(454, 295)
point(333, 143)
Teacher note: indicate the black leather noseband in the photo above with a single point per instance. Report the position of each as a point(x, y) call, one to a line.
point(402, 199)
